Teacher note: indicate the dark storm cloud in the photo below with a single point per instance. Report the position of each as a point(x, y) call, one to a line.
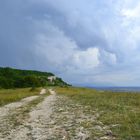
point(81, 39)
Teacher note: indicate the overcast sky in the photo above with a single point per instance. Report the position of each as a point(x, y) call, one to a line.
point(86, 42)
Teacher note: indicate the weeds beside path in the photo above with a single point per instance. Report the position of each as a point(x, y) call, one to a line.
point(120, 112)
point(13, 95)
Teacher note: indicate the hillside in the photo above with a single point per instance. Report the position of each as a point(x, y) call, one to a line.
point(16, 78)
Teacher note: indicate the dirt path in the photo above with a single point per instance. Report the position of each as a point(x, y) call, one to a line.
point(43, 91)
point(35, 128)
point(52, 118)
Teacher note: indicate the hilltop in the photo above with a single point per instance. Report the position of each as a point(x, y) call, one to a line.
point(16, 78)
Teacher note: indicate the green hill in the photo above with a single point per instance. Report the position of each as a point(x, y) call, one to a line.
point(16, 78)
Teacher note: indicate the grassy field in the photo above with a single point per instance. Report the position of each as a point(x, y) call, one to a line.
point(118, 109)
point(12, 95)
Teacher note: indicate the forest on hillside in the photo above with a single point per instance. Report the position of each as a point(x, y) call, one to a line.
point(15, 78)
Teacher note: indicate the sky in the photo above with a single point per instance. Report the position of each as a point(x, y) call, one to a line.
point(85, 42)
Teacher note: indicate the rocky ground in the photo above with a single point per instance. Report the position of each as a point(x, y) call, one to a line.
point(52, 117)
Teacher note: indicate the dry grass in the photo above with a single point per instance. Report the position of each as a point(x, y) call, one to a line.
point(12, 95)
point(120, 109)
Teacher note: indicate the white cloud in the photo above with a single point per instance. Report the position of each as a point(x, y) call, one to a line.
point(62, 52)
point(132, 13)
point(87, 59)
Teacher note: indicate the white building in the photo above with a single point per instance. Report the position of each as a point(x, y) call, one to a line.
point(52, 78)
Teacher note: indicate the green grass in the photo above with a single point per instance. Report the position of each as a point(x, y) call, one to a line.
point(12, 95)
point(117, 108)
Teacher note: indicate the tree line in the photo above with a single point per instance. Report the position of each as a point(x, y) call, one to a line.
point(15, 78)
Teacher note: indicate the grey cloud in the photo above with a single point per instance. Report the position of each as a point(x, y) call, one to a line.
point(78, 40)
